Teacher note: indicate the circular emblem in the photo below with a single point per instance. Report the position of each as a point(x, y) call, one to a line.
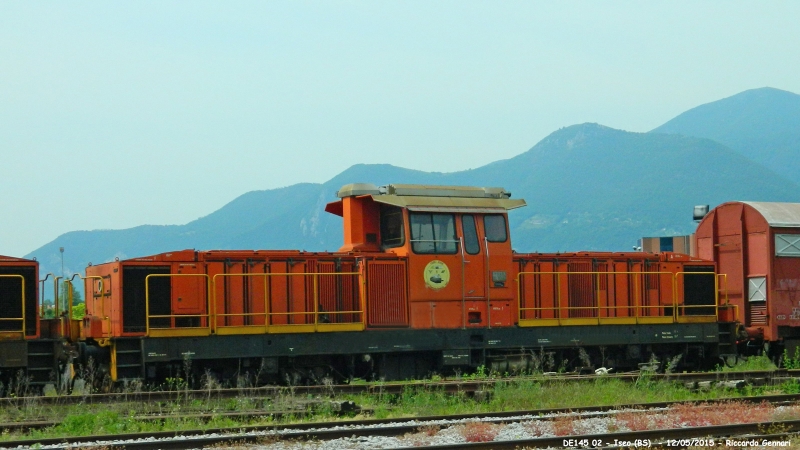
point(437, 275)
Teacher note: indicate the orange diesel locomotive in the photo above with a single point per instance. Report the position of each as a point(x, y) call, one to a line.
point(426, 281)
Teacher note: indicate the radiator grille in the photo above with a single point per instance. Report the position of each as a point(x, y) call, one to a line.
point(337, 292)
point(581, 290)
point(386, 298)
point(758, 314)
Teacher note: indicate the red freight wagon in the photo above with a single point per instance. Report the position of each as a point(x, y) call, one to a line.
point(757, 247)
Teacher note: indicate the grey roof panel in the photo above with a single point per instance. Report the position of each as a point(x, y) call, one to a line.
point(784, 215)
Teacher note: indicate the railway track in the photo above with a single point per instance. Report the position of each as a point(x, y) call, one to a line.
point(450, 386)
point(373, 428)
point(342, 410)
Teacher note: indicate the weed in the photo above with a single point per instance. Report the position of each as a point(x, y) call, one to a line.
point(176, 383)
point(20, 385)
point(584, 357)
point(538, 427)
point(673, 363)
point(548, 359)
point(564, 425)
point(89, 374)
point(663, 421)
point(791, 386)
point(748, 363)
point(536, 362)
point(774, 428)
point(792, 362)
point(787, 413)
point(430, 430)
point(479, 374)
point(479, 431)
point(634, 420)
point(721, 413)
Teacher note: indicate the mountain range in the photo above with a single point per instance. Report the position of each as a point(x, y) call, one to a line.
point(588, 187)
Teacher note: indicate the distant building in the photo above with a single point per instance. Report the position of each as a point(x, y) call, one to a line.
point(677, 244)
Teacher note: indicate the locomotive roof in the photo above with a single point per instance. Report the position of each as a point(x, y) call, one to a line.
point(418, 197)
point(4, 258)
point(784, 215)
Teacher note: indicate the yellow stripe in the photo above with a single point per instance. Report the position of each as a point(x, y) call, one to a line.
point(328, 327)
point(179, 332)
point(696, 319)
point(244, 329)
point(648, 320)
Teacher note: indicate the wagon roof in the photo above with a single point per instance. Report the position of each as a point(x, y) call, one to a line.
point(778, 214)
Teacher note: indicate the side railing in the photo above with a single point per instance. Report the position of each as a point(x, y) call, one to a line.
point(12, 331)
point(625, 297)
point(71, 329)
point(42, 307)
point(171, 325)
point(302, 312)
point(695, 312)
point(727, 312)
point(307, 313)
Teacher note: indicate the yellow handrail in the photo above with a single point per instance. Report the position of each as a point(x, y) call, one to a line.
point(268, 314)
point(211, 302)
point(85, 290)
point(21, 319)
point(207, 315)
point(637, 307)
point(41, 300)
point(266, 297)
point(724, 277)
point(56, 296)
point(716, 292)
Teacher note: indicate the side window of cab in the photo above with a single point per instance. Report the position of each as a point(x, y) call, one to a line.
point(495, 228)
point(392, 234)
point(433, 233)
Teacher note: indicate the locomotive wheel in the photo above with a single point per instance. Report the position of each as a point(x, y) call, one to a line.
point(730, 360)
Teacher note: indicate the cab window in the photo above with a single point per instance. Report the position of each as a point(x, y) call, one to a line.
point(495, 227)
point(433, 233)
point(471, 243)
point(392, 234)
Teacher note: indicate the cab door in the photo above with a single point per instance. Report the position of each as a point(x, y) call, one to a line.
point(474, 263)
point(501, 287)
point(436, 284)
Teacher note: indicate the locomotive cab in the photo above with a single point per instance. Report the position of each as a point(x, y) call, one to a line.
point(455, 242)
point(19, 309)
point(22, 340)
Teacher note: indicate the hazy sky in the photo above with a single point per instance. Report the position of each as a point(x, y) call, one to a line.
point(117, 114)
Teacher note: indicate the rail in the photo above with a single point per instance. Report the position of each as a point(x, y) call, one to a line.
point(20, 319)
point(640, 307)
